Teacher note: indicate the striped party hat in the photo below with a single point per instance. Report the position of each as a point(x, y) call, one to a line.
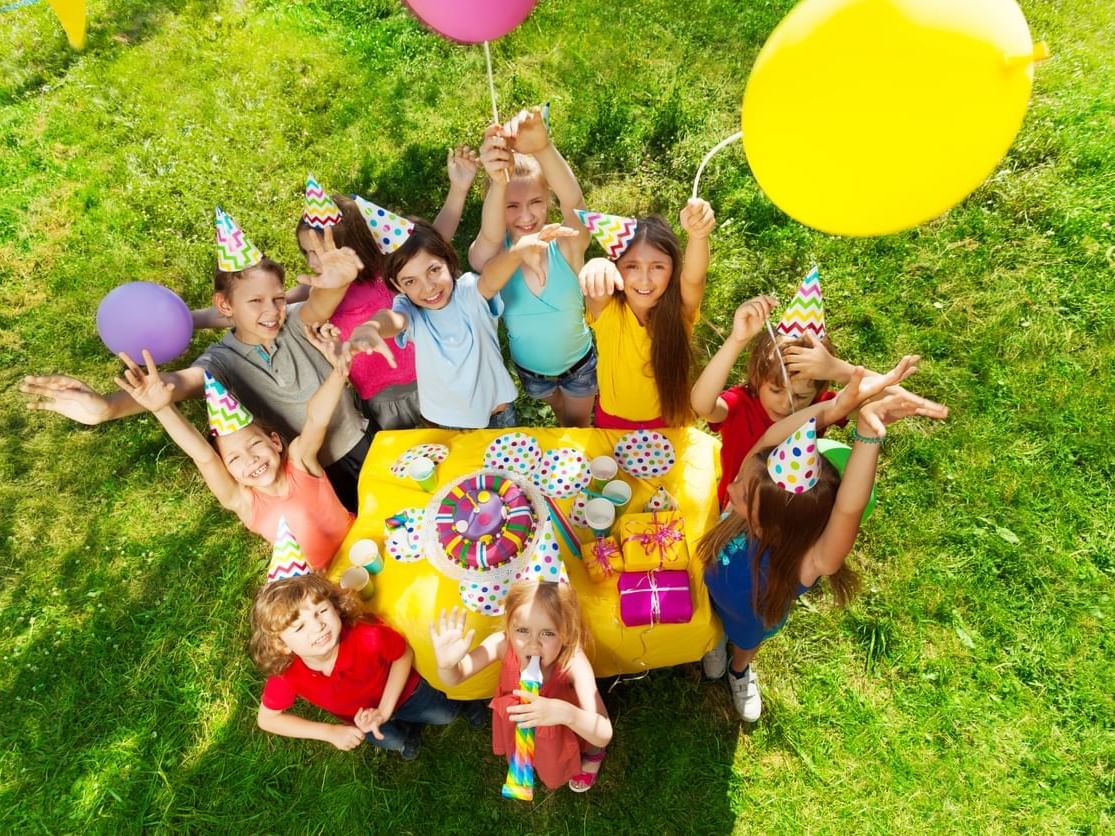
point(390, 231)
point(806, 311)
point(234, 251)
point(793, 463)
point(614, 232)
point(287, 558)
point(226, 414)
point(319, 210)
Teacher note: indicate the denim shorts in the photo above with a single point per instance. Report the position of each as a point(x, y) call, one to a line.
point(579, 381)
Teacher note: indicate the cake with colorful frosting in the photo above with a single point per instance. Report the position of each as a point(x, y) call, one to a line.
point(484, 521)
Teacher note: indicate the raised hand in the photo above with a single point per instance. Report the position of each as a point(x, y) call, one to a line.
point(451, 642)
point(335, 267)
point(148, 390)
point(538, 241)
point(599, 278)
point(365, 339)
point(527, 131)
point(495, 153)
point(811, 361)
point(697, 218)
point(894, 404)
point(326, 338)
point(67, 396)
point(462, 164)
point(749, 317)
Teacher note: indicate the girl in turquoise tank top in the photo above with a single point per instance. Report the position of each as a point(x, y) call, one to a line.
point(544, 308)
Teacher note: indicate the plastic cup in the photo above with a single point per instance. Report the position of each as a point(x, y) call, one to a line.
point(600, 514)
point(602, 469)
point(366, 553)
point(423, 471)
point(358, 580)
point(620, 492)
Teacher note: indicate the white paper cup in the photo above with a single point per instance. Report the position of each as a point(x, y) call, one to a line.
point(602, 469)
point(620, 491)
point(600, 514)
point(358, 580)
point(422, 470)
point(366, 553)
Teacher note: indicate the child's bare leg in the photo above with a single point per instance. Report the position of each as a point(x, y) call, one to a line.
point(742, 658)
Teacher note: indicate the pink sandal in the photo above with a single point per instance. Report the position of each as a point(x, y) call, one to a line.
point(583, 781)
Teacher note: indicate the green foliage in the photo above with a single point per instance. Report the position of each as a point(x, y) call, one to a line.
point(968, 687)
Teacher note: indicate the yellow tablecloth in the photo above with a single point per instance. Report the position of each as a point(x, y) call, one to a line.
point(409, 596)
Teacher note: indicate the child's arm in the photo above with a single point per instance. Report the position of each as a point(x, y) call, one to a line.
point(344, 737)
point(746, 323)
point(151, 392)
point(814, 362)
point(455, 663)
point(530, 136)
point(500, 269)
point(322, 405)
point(337, 268)
point(462, 163)
point(370, 719)
point(836, 541)
point(76, 400)
point(599, 279)
point(496, 158)
point(370, 338)
point(587, 719)
point(209, 318)
point(698, 220)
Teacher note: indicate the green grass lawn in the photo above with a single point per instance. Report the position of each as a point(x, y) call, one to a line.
point(965, 689)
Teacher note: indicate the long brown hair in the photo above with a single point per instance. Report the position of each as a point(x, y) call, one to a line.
point(671, 354)
point(275, 608)
point(352, 232)
point(789, 525)
point(559, 600)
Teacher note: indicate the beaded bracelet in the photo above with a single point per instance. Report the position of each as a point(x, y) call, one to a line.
point(866, 439)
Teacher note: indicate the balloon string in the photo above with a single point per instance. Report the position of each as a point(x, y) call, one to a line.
point(491, 82)
point(716, 148)
point(782, 363)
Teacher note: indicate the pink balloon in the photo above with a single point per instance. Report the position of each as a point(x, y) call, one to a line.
point(472, 21)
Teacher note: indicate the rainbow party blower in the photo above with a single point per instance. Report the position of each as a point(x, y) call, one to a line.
point(520, 769)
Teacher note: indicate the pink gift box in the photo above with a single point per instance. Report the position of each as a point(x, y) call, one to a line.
point(658, 597)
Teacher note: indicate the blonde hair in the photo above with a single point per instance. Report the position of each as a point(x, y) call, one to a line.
point(559, 600)
point(276, 607)
point(526, 166)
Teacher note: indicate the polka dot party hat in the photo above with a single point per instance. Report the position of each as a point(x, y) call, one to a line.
point(287, 558)
point(319, 210)
point(389, 230)
point(226, 414)
point(234, 251)
point(806, 311)
point(793, 463)
point(613, 232)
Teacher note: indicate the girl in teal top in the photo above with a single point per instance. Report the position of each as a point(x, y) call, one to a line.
point(544, 308)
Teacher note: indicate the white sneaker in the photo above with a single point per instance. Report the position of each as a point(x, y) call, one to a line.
point(715, 662)
point(745, 694)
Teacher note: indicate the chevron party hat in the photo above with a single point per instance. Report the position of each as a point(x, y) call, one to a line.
point(234, 251)
point(226, 414)
point(806, 312)
point(319, 210)
point(793, 463)
point(287, 558)
point(390, 231)
point(614, 232)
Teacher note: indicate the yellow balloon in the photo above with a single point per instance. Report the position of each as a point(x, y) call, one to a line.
point(866, 117)
point(72, 15)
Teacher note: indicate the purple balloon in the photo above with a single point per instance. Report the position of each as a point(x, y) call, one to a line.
point(141, 315)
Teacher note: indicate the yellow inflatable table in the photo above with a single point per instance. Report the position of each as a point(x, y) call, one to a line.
point(410, 595)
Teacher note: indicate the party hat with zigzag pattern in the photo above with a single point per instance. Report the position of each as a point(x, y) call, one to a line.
point(389, 230)
point(226, 414)
point(806, 311)
point(287, 557)
point(234, 251)
point(319, 210)
point(613, 232)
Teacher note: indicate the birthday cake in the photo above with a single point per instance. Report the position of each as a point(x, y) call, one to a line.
point(484, 521)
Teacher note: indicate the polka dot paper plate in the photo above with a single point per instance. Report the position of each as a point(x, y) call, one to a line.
point(402, 530)
point(644, 453)
point(561, 473)
point(435, 452)
point(484, 598)
point(515, 452)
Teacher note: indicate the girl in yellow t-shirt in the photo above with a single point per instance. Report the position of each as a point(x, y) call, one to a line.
point(642, 302)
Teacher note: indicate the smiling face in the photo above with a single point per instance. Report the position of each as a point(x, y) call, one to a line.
point(528, 203)
point(253, 458)
point(256, 304)
point(776, 402)
point(534, 632)
point(646, 272)
point(315, 632)
point(426, 280)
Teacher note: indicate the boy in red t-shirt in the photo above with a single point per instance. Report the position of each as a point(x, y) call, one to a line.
point(308, 639)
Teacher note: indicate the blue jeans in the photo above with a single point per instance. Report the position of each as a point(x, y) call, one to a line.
point(578, 381)
point(504, 419)
point(426, 707)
